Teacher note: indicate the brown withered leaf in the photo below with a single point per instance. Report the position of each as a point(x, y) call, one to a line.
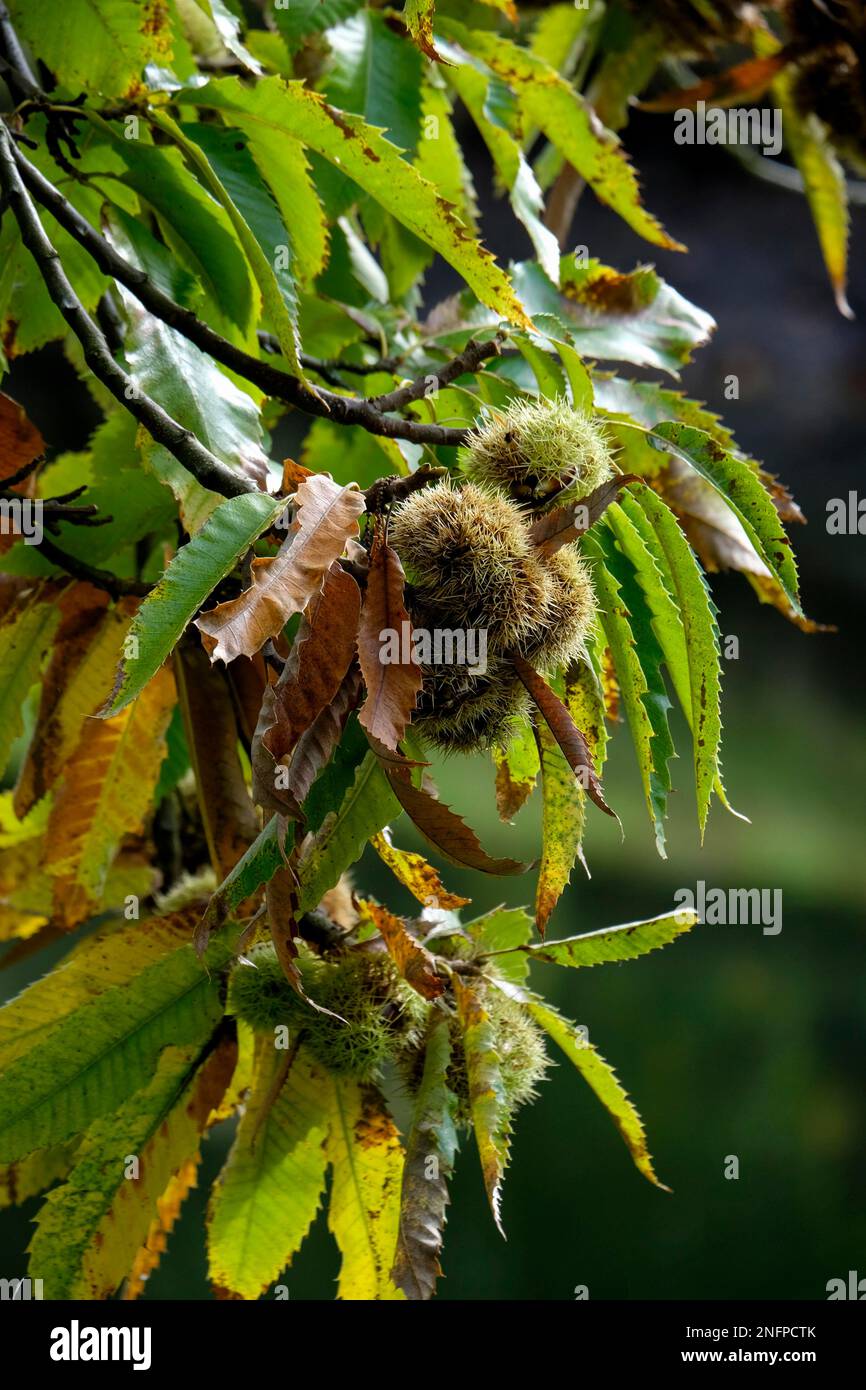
point(392, 686)
point(323, 651)
point(228, 815)
point(443, 828)
point(414, 962)
point(565, 524)
point(20, 440)
point(326, 516)
point(316, 745)
point(416, 874)
point(565, 731)
point(742, 83)
point(293, 475)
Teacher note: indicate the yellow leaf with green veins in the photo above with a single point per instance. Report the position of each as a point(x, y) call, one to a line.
point(364, 1213)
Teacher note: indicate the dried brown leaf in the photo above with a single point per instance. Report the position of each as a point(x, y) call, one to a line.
point(392, 686)
point(565, 731)
point(326, 516)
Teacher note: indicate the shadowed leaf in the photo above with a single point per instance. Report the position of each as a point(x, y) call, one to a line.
point(490, 1118)
point(392, 686)
point(430, 1151)
point(414, 962)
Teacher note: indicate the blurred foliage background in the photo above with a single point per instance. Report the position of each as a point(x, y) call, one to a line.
point(731, 1042)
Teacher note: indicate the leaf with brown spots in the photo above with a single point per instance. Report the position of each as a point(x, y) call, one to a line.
point(291, 111)
point(565, 731)
point(392, 685)
point(366, 1156)
point(487, 1098)
point(419, 15)
point(326, 517)
point(168, 1208)
point(566, 524)
point(424, 1195)
point(516, 772)
point(414, 962)
point(416, 874)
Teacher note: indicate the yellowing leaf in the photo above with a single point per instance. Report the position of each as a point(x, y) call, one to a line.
point(89, 1230)
point(106, 794)
point(569, 122)
point(364, 1214)
point(76, 683)
point(167, 1212)
point(268, 1193)
point(416, 874)
point(414, 962)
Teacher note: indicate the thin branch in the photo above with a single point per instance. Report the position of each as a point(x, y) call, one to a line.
point(342, 410)
point(469, 360)
point(182, 443)
point(19, 73)
point(101, 579)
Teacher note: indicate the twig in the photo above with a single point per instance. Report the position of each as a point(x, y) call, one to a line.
point(101, 579)
point(342, 410)
point(182, 443)
point(468, 360)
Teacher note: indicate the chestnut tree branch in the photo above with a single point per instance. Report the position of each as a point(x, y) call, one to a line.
point(369, 414)
point(182, 443)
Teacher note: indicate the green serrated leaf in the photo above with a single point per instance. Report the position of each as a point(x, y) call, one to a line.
point(744, 493)
point(191, 575)
point(367, 807)
point(267, 1195)
point(612, 943)
point(637, 655)
point(376, 165)
point(490, 1116)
